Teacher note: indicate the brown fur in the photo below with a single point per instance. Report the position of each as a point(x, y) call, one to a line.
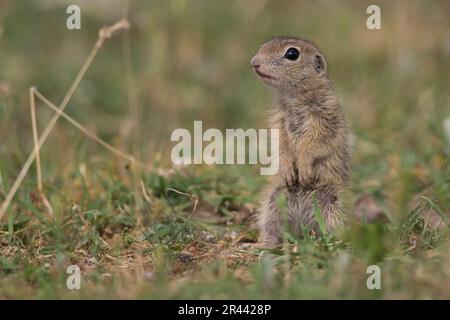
point(314, 156)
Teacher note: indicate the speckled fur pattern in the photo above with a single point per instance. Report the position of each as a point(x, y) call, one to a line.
point(314, 152)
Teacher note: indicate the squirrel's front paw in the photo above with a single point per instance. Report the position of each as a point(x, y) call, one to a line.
point(289, 174)
point(306, 176)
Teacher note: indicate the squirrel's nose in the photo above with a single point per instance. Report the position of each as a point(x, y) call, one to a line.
point(255, 62)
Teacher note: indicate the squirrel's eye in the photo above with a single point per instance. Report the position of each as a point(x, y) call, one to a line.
point(292, 54)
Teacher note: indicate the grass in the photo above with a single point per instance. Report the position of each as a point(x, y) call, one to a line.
point(170, 233)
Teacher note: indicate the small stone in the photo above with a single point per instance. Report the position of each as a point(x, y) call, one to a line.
point(232, 235)
point(208, 237)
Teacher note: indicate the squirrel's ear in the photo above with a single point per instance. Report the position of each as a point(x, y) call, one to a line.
point(319, 63)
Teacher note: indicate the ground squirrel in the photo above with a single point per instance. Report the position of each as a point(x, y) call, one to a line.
point(313, 137)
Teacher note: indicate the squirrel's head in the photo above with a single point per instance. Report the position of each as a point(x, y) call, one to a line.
point(288, 62)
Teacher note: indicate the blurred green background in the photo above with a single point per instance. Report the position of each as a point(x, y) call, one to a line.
point(190, 61)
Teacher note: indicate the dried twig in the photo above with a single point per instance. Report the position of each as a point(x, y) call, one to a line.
point(35, 139)
point(36, 151)
point(105, 33)
point(193, 198)
point(90, 134)
point(145, 193)
point(133, 104)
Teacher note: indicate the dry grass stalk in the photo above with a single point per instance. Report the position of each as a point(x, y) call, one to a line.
point(90, 134)
point(105, 33)
point(133, 104)
point(193, 198)
point(44, 199)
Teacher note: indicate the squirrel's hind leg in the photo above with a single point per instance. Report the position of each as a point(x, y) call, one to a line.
point(269, 222)
point(330, 208)
point(301, 209)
